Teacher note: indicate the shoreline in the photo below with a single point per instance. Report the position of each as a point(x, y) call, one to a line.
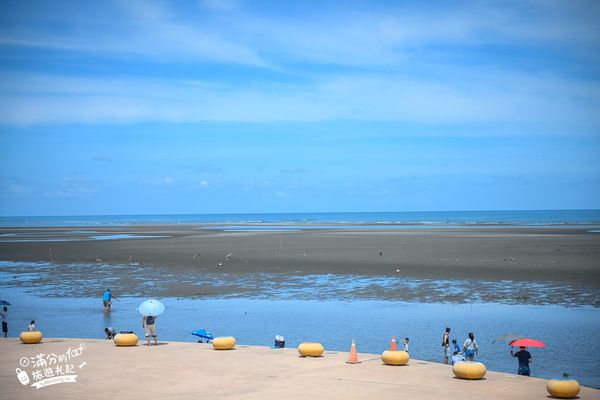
point(188, 370)
point(335, 324)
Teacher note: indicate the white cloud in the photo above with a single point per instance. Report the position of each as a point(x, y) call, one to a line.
point(364, 35)
point(17, 189)
point(73, 186)
point(167, 180)
point(141, 29)
point(252, 185)
point(399, 64)
point(492, 96)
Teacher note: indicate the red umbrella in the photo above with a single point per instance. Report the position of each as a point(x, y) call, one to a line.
point(526, 342)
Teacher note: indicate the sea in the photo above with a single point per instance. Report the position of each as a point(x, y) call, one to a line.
point(375, 219)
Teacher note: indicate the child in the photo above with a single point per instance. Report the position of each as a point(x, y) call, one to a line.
point(406, 340)
point(455, 346)
point(31, 326)
point(456, 357)
point(110, 333)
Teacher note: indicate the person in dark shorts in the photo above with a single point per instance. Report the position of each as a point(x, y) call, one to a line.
point(107, 300)
point(470, 348)
point(446, 345)
point(150, 328)
point(5, 321)
point(524, 359)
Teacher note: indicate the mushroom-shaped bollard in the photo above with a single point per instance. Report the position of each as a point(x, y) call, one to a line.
point(31, 337)
point(563, 388)
point(126, 339)
point(224, 343)
point(309, 349)
point(395, 357)
point(469, 370)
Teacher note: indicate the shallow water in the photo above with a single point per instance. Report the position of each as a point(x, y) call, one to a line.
point(571, 334)
point(87, 279)
point(72, 236)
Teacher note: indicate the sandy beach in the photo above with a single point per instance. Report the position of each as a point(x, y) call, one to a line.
point(191, 371)
point(559, 257)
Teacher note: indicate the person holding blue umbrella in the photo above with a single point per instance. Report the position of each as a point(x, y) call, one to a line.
point(150, 309)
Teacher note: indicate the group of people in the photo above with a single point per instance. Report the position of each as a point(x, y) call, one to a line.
point(470, 349)
point(148, 321)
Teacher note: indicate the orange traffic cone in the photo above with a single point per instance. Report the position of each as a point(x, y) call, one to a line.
point(353, 355)
point(393, 344)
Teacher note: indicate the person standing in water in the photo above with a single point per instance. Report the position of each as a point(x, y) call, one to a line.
point(107, 300)
point(524, 359)
point(470, 347)
point(446, 345)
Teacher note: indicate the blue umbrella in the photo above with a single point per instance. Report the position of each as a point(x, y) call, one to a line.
point(204, 334)
point(151, 307)
point(4, 303)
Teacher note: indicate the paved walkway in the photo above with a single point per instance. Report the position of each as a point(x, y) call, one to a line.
point(196, 371)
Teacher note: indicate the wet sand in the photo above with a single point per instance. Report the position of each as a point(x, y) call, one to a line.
point(191, 371)
point(558, 257)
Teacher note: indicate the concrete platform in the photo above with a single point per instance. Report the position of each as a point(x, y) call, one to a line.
point(196, 371)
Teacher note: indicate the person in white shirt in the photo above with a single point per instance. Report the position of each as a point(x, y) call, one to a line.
point(470, 348)
point(456, 357)
point(405, 342)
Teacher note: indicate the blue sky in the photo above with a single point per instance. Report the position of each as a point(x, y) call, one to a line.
point(121, 107)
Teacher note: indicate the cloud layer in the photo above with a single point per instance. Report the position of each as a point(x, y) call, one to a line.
point(140, 61)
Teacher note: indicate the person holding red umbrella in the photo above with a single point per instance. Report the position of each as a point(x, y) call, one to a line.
point(523, 355)
point(524, 359)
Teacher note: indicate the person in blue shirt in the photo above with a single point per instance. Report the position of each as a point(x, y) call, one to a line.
point(455, 346)
point(107, 299)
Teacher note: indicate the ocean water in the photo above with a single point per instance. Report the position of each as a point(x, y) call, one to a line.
point(571, 334)
point(440, 218)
